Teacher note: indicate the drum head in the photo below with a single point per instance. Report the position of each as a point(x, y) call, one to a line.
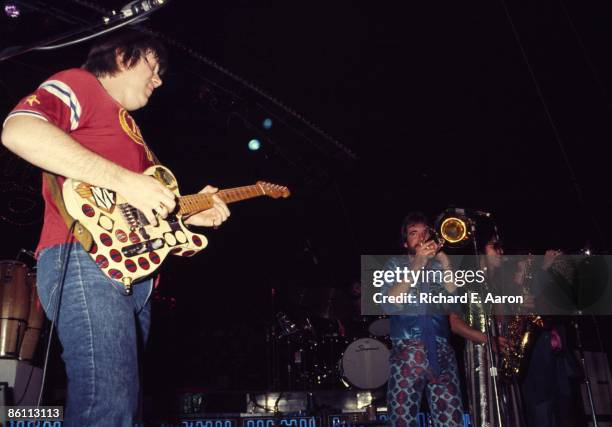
point(380, 327)
point(365, 363)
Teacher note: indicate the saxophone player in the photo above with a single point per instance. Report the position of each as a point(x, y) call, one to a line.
point(546, 385)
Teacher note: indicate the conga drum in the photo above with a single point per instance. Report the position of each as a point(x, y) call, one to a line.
point(14, 306)
point(36, 320)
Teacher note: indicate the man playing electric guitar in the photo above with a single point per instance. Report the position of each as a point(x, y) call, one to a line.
point(77, 125)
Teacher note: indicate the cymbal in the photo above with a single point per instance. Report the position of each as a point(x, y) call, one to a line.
point(325, 302)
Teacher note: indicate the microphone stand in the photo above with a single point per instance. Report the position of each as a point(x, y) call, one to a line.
point(587, 380)
point(488, 330)
point(272, 335)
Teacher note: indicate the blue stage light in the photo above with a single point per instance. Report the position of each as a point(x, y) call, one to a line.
point(267, 123)
point(254, 144)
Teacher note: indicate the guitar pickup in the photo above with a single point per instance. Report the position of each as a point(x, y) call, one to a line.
point(143, 247)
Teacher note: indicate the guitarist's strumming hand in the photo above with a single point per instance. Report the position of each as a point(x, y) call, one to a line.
point(147, 195)
point(212, 217)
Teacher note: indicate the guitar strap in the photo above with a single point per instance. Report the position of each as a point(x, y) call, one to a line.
point(81, 234)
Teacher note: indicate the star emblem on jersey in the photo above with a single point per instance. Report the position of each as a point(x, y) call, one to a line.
point(32, 99)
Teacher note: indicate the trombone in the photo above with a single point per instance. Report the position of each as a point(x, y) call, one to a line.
point(453, 228)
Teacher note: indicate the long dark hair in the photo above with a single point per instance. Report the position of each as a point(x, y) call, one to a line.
point(131, 45)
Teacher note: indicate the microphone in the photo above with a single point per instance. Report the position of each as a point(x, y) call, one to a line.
point(138, 7)
point(468, 212)
point(134, 8)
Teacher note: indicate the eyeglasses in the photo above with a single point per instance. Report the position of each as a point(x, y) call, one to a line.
point(152, 67)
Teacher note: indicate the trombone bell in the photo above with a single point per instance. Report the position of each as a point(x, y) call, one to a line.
point(454, 230)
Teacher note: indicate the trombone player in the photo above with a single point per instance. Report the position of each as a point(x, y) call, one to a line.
point(422, 359)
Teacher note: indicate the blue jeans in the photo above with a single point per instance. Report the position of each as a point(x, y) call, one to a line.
point(100, 329)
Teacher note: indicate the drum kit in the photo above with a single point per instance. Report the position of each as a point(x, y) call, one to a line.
point(21, 315)
point(328, 345)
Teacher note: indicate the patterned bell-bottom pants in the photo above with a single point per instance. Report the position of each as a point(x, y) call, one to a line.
point(411, 375)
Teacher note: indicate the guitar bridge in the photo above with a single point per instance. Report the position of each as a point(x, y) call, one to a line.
point(142, 247)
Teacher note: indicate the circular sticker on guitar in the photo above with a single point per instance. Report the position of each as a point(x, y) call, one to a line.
point(130, 265)
point(115, 274)
point(154, 258)
point(106, 239)
point(88, 210)
point(115, 255)
point(143, 263)
point(101, 261)
point(121, 236)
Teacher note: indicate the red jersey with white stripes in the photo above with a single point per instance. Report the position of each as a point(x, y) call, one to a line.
point(76, 102)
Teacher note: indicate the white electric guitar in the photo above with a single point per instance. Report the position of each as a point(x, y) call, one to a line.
point(126, 247)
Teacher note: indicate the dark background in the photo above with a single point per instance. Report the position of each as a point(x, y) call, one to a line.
point(378, 109)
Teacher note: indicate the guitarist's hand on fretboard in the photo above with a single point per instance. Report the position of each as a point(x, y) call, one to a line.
point(212, 217)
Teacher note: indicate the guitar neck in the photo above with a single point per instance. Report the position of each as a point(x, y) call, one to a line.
point(194, 203)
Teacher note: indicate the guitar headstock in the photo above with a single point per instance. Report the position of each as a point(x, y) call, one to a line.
point(274, 190)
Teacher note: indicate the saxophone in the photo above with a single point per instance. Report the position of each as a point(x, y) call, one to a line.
point(521, 330)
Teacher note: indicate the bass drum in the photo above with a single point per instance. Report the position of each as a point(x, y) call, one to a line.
point(365, 363)
point(319, 362)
